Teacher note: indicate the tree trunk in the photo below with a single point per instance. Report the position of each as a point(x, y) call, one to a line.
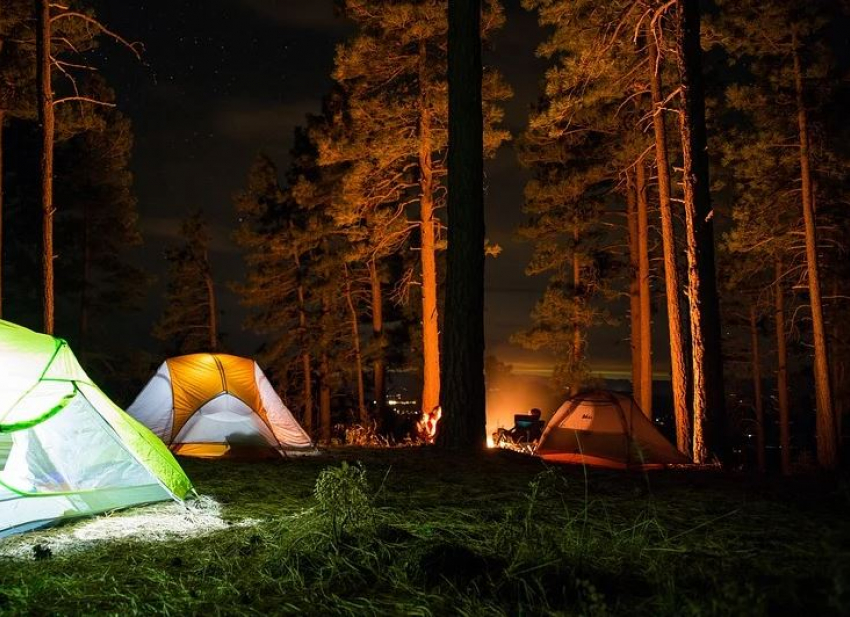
point(634, 286)
point(306, 359)
point(2, 189)
point(826, 440)
point(709, 430)
point(213, 311)
point(358, 356)
point(44, 89)
point(838, 372)
point(678, 365)
point(464, 414)
point(325, 401)
point(782, 371)
point(379, 367)
point(428, 250)
point(307, 414)
point(645, 400)
point(85, 285)
point(759, 405)
point(578, 347)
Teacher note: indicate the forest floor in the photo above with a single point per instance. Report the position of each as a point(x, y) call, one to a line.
point(418, 532)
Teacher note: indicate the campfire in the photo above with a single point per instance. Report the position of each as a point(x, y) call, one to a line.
point(426, 427)
point(524, 435)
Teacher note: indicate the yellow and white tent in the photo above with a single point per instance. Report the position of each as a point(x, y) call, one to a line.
point(213, 405)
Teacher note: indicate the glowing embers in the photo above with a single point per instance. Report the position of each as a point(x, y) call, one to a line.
point(426, 427)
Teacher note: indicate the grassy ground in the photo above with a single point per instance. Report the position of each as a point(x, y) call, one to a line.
point(417, 532)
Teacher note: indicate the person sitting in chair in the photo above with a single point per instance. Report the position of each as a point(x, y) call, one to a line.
point(525, 432)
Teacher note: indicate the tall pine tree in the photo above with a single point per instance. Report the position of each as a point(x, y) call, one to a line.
point(189, 322)
point(393, 73)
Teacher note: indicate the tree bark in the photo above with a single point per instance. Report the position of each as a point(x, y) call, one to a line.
point(84, 288)
point(678, 365)
point(306, 358)
point(379, 367)
point(213, 311)
point(827, 447)
point(428, 249)
point(634, 287)
point(464, 413)
point(645, 400)
point(358, 356)
point(578, 347)
point(709, 425)
point(759, 405)
point(44, 92)
point(307, 414)
point(782, 371)
point(838, 372)
point(325, 401)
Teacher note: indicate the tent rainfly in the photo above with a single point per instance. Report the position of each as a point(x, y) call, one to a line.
point(66, 450)
point(212, 405)
point(605, 429)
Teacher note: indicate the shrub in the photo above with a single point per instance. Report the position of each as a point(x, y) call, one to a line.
point(344, 498)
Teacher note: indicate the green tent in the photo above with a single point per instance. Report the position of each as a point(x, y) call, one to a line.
point(66, 450)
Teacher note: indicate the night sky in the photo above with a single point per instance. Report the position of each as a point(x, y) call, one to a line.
point(224, 79)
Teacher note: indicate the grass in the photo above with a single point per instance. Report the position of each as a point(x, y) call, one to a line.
point(418, 532)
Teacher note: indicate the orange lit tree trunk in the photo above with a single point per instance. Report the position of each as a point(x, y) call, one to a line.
point(634, 287)
point(44, 93)
point(213, 310)
point(306, 364)
point(759, 405)
point(325, 381)
point(428, 251)
point(645, 400)
point(325, 400)
point(678, 365)
point(782, 371)
point(306, 358)
point(379, 369)
point(464, 415)
point(826, 440)
point(709, 430)
point(578, 347)
point(358, 356)
point(838, 373)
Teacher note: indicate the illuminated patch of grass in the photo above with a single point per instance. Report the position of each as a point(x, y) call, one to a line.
point(432, 534)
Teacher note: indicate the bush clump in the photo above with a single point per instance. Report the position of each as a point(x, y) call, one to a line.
point(344, 498)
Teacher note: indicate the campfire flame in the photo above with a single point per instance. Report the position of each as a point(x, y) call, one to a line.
point(426, 427)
